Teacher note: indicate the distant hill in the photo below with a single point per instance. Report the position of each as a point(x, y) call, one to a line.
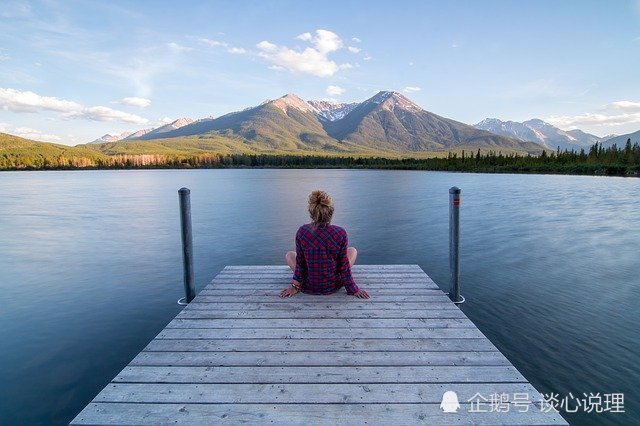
point(387, 122)
point(621, 140)
point(540, 132)
point(16, 151)
point(285, 124)
point(151, 133)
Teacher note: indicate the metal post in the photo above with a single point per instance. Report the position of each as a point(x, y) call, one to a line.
point(187, 245)
point(454, 241)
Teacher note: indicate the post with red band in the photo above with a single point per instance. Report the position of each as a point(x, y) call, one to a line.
point(454, 245)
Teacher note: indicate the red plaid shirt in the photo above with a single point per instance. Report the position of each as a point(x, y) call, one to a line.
point(322, 266)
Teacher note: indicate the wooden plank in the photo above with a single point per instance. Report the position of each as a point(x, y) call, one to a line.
point(314, 298)
point(383, 287)
point(336, 323)
point(306, 374)
point(327, 345)
point(297, 306)
point(286, 275)
point(276, 290)
point(322, 313)
point(295, 393)
point(358, 277)
point(270, 291)
point(240, 353)
point(320, 358)
point(354, 269)
point(331, 414)
point(321, 333)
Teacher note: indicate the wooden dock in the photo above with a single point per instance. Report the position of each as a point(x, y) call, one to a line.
point(239, 353)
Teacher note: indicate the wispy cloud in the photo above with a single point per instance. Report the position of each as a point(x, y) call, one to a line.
point(610, 115)
point(356, 40)
point(217, 43)
point(335, 90)
point(312, 60)
point(353, 49)
point(137, 102)
point(367, 57)
point(625, 105)
point(30, 102)
point(178, 48)
point(29, 133)
point(411, 89)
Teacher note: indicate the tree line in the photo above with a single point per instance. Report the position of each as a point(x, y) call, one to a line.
point(598, 160)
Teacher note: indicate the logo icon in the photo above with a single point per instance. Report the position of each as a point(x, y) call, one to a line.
point(450, 402)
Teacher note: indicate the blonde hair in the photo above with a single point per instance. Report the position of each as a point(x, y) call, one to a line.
point(320, 208)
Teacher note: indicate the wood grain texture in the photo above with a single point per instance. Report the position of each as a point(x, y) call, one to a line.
point(238, 353)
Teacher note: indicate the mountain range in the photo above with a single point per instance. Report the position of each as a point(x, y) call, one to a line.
point(144, 133)
point(540, 132)
point(386, 122)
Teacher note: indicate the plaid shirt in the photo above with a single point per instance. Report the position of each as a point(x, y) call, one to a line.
point(322, 266)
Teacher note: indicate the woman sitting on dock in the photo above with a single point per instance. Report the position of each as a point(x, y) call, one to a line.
point(322, 261)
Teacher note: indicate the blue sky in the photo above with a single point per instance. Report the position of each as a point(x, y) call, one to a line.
point(71, 71)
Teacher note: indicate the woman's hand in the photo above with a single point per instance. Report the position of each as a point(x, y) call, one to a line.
point(362, 294)
point(288, 292)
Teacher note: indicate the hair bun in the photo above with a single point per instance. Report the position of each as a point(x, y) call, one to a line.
point(320, 198)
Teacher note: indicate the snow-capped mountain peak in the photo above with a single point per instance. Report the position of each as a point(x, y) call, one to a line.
point(332, 111)
point(291, 101)
point(539, 131)
point(391, 100)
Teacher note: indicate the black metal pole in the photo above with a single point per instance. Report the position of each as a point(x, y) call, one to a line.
point(187, 243)
point(454, 245)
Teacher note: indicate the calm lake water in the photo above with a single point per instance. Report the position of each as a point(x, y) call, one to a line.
point(90, 267)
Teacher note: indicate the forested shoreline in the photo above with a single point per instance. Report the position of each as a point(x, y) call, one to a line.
point(611, 161)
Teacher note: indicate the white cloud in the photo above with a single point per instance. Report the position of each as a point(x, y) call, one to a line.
point(29, 102)
point(102, 113)
point(175, 47)
point(165, 120)
point(616, 113)
point(335, 90)
point(356, 40)
point(213, 43)
point(17, 101)
point(312, 60)
point(454, 45)
point(137, 102)
point(367, 57)
point(410, 64)
point(236, 50)
point(593, 119)
point(625, 105)
point(28, 133)
point(411, 89)
point(231, 49)
point(353, 49)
